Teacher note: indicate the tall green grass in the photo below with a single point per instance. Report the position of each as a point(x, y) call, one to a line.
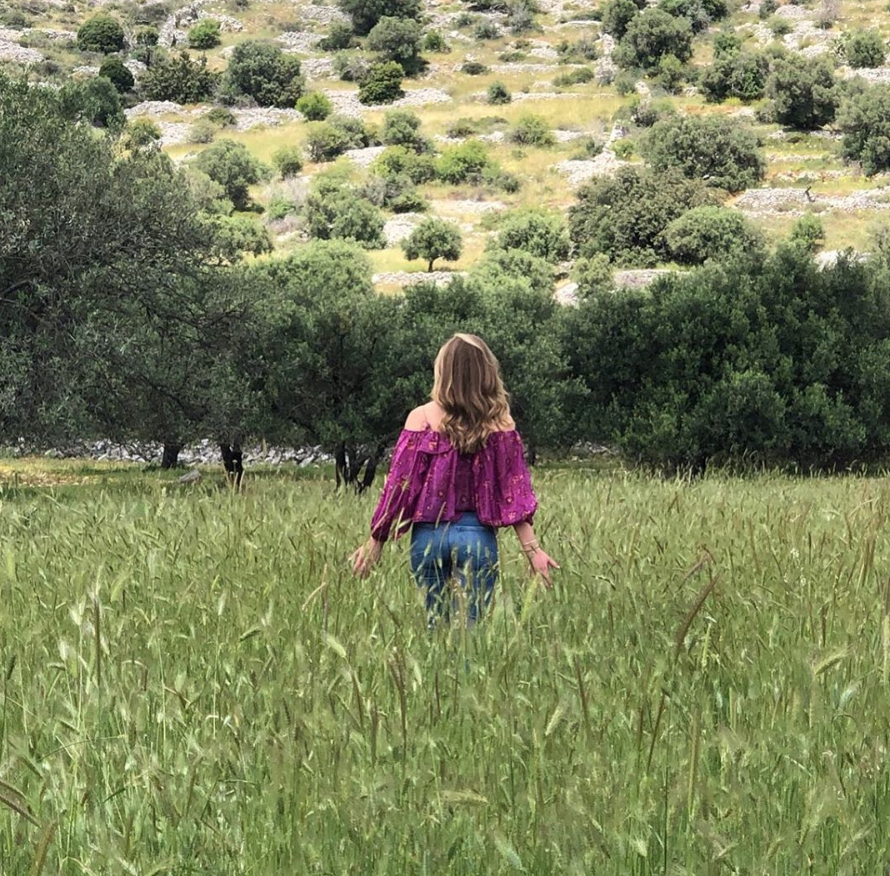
point(193, 683)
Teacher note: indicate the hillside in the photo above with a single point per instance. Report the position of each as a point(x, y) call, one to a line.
point(554, 59)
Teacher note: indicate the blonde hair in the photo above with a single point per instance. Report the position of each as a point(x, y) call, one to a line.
point(469, 389)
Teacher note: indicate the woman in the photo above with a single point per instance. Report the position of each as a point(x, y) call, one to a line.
point(457, 474)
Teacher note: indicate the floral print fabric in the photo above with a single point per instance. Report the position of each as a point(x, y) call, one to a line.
point(421, 486)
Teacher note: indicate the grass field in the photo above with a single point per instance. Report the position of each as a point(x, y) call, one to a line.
point(193, 683)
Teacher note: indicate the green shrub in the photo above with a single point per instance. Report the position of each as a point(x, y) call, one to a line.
point(651, 36)
point(699, 13)
point(500, 180)
point(540, 232)
point(221, 116)
point(625, 216)
point(434, 239)
point(288, 161)
point(487, 30)
point(239, 234)
point(720, 151)
point(396, 193)
point(498, 94)
point(434, 42)
point(584, 49)
point(865, 48)
point(671, 73)
point(15, 19)
point(473, 68)
point(767, 8)
point(587, 148)
point(521, 16)
point(315, 106)
point(232, 166)
point(402, 128)
point(397, 39)
point(366, 13)
point(463, 127)
point(262, 72)
point(351, 67)
point(626, 83)
point(179, 79)
point(808, 232)
point(117, 73)
point(403, 163)
point(280, 208)
point(576, 77)
point(95, 102)
point(803, 92)
point(617, 16)
point(339, 36)
point(727, 44)
point(712, 233)
point(531, 130)
point(594, 275)
point(462, 163)
point(864, 121)
point(745, 360)
point(205, 34)
point(327, 140)
point(336, 213)
point(142, 133)
point(102, 34)
point(743, 76)
point(147, 36)
point(648, 112)
point(780, 26)
point(382, 85)
point(202, 131)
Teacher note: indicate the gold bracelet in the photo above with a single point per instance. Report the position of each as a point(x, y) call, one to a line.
point(530, 548)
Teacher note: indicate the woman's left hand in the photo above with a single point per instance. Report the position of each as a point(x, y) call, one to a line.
point(366, 557)
point(541, 564)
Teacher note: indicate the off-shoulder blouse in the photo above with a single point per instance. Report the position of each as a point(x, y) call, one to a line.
point(422, 483)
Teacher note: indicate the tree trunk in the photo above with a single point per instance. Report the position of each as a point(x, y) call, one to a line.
point(233, 462)
point(170, 456)
point(355, 468)
point(531, 454)
point(340, 464)
point(430, 266)
point(371, 469)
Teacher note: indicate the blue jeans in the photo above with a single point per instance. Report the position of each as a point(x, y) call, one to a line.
point(455, 561)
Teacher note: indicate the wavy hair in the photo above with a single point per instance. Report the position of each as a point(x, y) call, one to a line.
point(469, 389)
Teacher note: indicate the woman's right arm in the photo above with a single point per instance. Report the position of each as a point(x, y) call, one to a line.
point(392, 504)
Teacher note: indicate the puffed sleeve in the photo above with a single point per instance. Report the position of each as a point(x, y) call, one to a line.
point(504, 494)
point(395, 508)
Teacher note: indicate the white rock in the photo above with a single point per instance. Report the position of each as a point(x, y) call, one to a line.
point(365, 157)
point(399, 228)
point(347, 102)
point(155, 108)
point(412, 278)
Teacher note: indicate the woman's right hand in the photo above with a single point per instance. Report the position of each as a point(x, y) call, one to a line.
point(541, 564)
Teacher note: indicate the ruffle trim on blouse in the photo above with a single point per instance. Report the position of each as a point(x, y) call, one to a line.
point(429, 441)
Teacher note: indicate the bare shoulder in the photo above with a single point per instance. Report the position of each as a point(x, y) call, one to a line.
point(508, 424)
point(417, 419)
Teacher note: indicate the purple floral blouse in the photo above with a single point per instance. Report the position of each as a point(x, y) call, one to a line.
point(422, 483)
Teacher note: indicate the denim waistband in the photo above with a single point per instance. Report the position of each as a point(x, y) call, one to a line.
point(467, 520)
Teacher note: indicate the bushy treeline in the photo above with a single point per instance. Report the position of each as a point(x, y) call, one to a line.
point(126, 314)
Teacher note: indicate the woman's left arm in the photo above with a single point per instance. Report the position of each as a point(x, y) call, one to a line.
point(540, 562)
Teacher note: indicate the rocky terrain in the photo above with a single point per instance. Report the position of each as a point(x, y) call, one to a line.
point(805, 171)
